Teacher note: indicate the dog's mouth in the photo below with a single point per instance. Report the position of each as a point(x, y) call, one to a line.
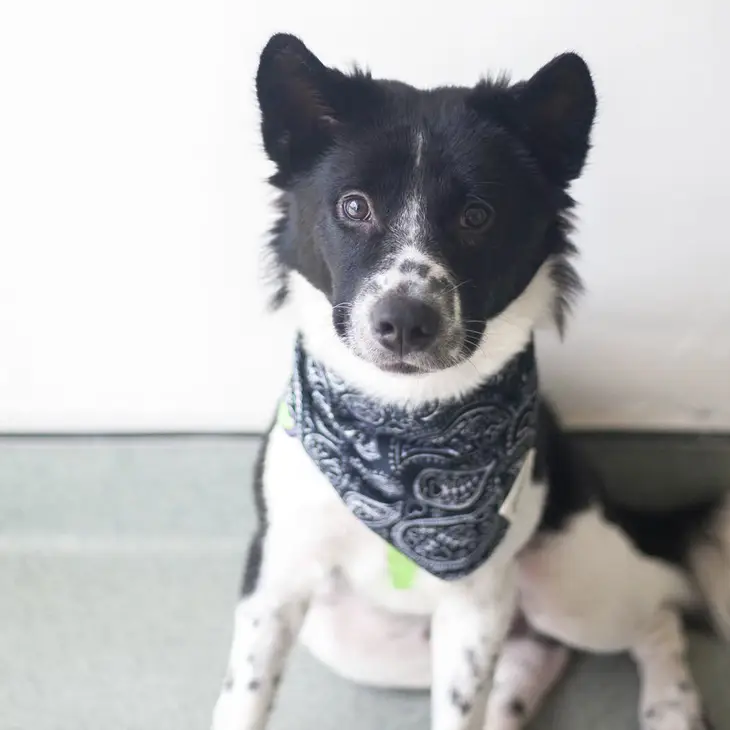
point(440, 358)
point(401, 367)
point(424, 364)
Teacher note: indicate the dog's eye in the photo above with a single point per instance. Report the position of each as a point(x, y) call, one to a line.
point(355, 207)
point(476, 216)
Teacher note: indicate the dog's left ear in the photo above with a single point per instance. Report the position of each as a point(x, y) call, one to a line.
point(552, 112)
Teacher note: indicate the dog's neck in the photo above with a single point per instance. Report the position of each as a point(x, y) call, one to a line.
point(504, 337)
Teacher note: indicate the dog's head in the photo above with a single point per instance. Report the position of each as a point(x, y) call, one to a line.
point(421, 216)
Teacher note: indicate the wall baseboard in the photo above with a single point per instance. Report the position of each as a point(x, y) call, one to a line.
point(669, 466)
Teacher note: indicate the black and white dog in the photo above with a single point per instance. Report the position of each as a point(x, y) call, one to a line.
point(422, 519)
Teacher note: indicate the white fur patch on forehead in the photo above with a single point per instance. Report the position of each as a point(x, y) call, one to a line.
point(418, 147)
point(410, 224)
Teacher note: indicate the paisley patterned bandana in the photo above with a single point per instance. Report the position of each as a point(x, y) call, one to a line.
point(430, 480)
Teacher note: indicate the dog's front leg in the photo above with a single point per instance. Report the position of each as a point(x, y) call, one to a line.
point(263, 635)
point(469, 629)
point(267, 621)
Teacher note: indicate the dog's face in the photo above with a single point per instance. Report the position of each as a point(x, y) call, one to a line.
point(420, 215)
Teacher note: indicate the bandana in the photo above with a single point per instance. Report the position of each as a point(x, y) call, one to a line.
point(431, 480)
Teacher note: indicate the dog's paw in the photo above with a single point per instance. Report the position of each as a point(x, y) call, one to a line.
point(674, 715)
point(674, 706)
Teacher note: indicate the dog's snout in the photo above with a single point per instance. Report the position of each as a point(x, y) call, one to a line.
point(404, 324)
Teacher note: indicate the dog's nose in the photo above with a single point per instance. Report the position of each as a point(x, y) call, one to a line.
point(403, 324)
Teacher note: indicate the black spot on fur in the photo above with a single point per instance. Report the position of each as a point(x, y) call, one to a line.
point(517, 707)
point(460, 702)
point(570, 476)
point(254, 685)
point(253, 564)
point(656, 709)
point(420, 269)
point(438, 284)
point(471, 660)
point(664, 534)
point(255, 548)
point(685, 686)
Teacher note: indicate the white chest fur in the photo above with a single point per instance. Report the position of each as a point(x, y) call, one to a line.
point(302, 503)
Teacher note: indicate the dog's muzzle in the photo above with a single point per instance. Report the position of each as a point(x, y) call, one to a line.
point(408, 329)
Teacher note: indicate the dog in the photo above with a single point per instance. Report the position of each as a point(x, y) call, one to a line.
point(423, 520)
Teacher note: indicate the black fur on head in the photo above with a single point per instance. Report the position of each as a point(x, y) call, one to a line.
point(473, 179)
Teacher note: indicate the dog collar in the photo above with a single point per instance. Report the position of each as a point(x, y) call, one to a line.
point(432, 480)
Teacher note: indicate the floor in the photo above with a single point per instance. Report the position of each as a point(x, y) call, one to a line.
point(119, 568)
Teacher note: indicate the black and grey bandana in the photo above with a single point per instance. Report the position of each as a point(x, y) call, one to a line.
point(430, 480)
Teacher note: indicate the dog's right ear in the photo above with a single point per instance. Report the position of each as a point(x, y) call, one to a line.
point(297, 96)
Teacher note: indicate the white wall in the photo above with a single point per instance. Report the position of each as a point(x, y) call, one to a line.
point(132, 207)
